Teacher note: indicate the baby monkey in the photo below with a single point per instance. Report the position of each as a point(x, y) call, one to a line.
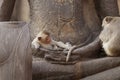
point(44, 40)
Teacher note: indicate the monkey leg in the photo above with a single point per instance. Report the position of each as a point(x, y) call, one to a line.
point(112, 74)
point(43, 69)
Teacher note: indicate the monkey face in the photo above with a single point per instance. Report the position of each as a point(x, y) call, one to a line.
point(44, 38)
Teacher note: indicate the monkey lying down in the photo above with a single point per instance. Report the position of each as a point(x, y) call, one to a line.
point(44, 40)
point(110, 37)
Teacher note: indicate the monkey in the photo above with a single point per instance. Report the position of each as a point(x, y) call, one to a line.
point(110, 35)
point(44, 40)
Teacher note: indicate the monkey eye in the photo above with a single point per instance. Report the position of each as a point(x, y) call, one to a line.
point(39, 38)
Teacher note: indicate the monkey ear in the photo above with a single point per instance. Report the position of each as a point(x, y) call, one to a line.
point(108, 19)
point(39, 38)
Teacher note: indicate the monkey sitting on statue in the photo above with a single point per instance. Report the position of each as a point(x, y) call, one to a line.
point(43, 39)
point(110, 35)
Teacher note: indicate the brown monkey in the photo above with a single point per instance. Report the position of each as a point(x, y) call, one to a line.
point(110, 35)
point(44, 40)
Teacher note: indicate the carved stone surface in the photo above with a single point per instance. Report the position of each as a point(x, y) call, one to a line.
point(15, 51)
point(45, 71)
point(111, 74)
point(6, 9)
point(66, 20)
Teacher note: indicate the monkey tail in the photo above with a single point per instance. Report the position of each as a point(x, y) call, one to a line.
point(69, 53)
point(76, 46)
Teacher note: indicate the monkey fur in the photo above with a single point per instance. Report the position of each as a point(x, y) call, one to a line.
point(110, 35)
